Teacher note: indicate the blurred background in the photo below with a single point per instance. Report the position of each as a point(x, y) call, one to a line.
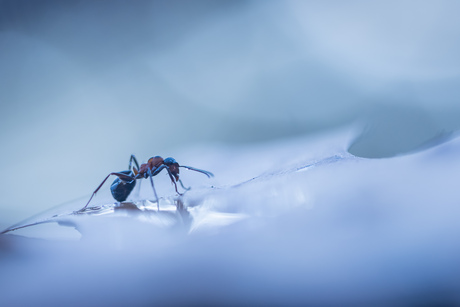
point(84, 84)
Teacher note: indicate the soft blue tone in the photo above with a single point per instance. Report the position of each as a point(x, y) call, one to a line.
point(242, 89)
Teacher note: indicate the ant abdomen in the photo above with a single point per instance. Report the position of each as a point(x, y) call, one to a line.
point(121, 189)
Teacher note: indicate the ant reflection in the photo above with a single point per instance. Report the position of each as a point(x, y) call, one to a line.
point(181, 214)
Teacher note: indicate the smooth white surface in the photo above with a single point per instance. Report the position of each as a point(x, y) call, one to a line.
point(348, 231)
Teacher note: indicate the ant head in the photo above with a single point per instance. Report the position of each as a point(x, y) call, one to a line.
point(173, 166)
point(170, 161)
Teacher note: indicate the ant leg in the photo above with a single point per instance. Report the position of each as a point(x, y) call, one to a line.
point(180, 181)
point(158, 170)
point(162, 167)
point(149, 171)
point(119, 175)
point(209, 174)
point(173, 181)
point(133, 158)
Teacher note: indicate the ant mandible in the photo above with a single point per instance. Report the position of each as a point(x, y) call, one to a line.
point(124, 184)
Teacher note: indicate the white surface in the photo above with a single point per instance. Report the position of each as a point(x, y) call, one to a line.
point(308, 229)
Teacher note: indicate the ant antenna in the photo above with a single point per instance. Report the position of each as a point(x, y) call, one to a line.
point(209, 174)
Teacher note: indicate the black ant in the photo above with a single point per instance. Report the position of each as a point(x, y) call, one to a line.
point(124, 184)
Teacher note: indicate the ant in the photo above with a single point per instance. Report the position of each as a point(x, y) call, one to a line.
point(124, 184)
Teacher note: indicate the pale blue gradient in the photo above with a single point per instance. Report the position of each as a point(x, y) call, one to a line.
point(85, 84)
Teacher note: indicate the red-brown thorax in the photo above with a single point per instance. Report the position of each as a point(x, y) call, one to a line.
point(152, 164)
point(155, 162)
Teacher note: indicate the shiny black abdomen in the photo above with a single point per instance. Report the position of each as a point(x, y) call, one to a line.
point(121, 189)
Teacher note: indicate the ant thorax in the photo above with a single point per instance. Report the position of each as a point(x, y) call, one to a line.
point(155, 162)
point(152, 164)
